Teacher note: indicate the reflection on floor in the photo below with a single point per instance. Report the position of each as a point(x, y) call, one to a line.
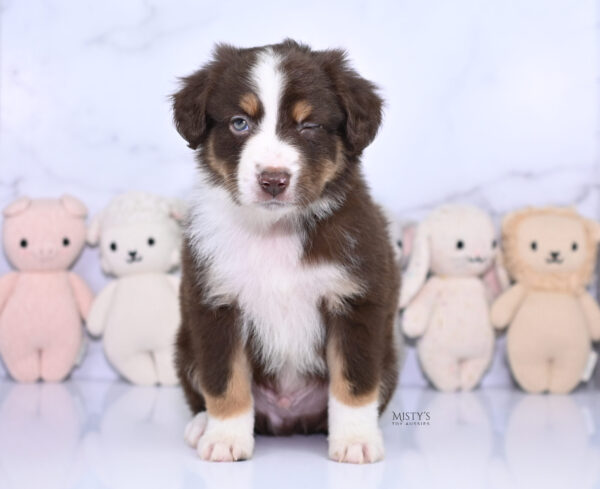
point(102, 435)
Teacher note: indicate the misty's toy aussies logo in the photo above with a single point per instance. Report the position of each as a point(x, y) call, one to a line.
point(411, 418)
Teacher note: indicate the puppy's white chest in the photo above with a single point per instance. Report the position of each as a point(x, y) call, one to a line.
point(280, 298)
point(279, 295)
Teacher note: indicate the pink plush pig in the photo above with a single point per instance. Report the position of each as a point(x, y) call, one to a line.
point(42, 304)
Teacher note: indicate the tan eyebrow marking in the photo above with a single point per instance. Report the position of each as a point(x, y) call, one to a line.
point(301, 110)
point(249, 104)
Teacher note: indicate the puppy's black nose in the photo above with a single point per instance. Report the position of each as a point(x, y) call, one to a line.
point(132, 253)
point(555, 254)
point(273, 182)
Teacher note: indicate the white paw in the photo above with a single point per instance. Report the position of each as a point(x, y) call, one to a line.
point(354, 436)
point(357, 449)
point(228, 439)
point(195, 428)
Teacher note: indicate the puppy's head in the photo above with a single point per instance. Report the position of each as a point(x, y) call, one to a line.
point(279, 126)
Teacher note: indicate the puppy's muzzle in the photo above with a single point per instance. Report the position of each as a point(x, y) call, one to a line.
point(274, 182)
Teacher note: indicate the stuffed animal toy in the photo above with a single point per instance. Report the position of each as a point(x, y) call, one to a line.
point(551, 254)
point(450, 310)
point(42, 304)
point(402, 235)
point(138, 314)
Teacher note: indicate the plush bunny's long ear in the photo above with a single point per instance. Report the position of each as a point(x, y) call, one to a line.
point(93, 232)
point(418, 266)
point(16, 207)
point(408, 238)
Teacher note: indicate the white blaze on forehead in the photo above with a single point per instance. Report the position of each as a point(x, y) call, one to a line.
point(264, 148)
point(268, 81)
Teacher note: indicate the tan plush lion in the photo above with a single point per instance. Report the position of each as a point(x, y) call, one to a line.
point(551, 254)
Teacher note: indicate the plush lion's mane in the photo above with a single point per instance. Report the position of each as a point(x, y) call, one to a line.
point(573, 282)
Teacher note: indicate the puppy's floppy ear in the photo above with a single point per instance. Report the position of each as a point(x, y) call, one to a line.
point(418, 266)
point(189, 107)
point(358, 98)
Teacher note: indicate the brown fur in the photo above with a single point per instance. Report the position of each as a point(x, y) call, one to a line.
point(362, 359)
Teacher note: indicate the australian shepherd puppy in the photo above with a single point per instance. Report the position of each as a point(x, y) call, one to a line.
point(289, 288)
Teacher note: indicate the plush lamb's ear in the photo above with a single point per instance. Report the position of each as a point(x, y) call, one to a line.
point(178, 209)
point(73, 206)
point(358, 97)
point(16, 207)
point(93, 232)
point(418, 266)
point(175, 258)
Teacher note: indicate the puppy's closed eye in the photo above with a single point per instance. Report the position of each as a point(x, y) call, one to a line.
point(309, 127)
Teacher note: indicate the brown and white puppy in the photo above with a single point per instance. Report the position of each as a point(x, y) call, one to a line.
point(289, 288)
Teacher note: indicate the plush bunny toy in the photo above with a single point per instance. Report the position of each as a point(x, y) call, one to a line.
point(450, 312)
point(42, 304)
point(140, 238)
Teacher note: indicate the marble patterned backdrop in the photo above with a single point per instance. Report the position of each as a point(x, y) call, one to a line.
point(494, 103)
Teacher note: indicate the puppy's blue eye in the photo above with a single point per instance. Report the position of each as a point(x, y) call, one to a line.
point(239, 124)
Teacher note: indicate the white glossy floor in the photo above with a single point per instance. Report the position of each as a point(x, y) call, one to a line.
point(103, 435)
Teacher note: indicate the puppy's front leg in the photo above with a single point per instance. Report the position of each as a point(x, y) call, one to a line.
point(354, 364)
point(223, 377)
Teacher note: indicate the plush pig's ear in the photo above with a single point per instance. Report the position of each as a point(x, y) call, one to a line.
point(73, 206)
point(418, 266)
point(16, 207)
point(93, 232)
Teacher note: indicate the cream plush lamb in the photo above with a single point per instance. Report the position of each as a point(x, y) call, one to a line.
point(450, 312)
point(138, 314)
